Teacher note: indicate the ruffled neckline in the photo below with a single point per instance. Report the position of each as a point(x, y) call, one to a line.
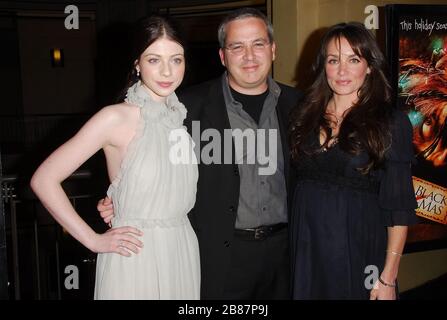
point(170, 113)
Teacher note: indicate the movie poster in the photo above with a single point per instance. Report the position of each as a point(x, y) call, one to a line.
point(417, 47)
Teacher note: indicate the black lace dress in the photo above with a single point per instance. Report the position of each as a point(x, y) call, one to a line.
point(340, 216)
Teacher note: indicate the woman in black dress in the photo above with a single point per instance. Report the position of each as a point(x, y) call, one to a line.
point(353, 154)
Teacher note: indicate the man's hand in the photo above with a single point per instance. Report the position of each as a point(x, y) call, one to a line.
point(105, 208)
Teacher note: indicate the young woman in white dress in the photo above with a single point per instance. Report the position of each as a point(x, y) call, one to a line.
point(151, 252)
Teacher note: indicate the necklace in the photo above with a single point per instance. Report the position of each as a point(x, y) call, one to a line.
point(338, 119)
point(336, 122)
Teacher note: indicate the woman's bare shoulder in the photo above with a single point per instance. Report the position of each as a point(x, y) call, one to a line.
point(119, 113)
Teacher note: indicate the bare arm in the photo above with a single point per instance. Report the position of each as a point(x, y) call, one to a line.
point(97, 133)
point(397, 236)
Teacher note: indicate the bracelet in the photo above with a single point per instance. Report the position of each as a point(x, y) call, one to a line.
point(395, 253)
point(387, 284)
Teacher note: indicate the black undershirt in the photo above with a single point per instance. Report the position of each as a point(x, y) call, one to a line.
point(252, 104)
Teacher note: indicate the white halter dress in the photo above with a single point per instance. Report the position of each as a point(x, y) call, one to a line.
point(154, 193)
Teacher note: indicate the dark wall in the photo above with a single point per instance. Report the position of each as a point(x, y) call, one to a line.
point(10, 81)
point(3, 262)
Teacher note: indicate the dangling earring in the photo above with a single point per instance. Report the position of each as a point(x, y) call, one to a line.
point(138, 73)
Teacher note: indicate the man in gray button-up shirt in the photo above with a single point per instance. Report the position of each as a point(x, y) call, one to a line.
point(262, 198)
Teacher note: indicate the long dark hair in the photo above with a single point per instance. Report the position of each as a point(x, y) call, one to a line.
point(366, 125)
point(147, 31)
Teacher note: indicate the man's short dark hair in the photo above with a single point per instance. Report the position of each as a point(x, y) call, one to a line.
point(242, 13)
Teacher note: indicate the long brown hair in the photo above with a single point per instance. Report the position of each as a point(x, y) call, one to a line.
point(366, 125)
point(146, 31)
